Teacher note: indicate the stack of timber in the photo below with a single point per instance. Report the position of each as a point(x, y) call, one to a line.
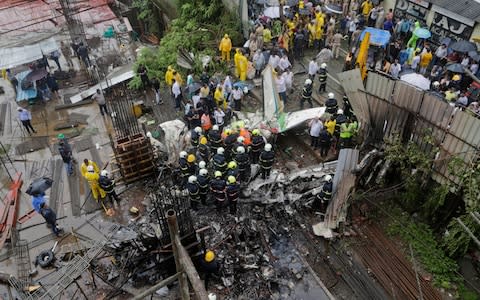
point(134, 157)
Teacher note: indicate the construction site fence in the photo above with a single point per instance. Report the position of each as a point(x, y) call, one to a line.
point(387, 108)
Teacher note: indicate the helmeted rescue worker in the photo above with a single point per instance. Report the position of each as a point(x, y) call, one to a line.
point(218, 188)
point(324, 142)
point(322, 77)
point(92, 177)
point(204, 184)
point(202, 150)
point(219, 161)
point(238, 143)
point(209, 266)
point(201, 165)
point(331, 104)
point(323, 198)
point(258, 142)
point(233, 192)
point(340, 118)
point(195, 136)
point(85, 164)
point(230, 139)
point(194, 191)
point(347, 130)
point(108, 185)
point(215, 138)
point(266, 160)
point(347, 107)
point(232, 170)
point(307, 93)
point(243, 161)
point(184, 167)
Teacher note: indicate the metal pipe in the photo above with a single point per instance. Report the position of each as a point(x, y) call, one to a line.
point(173, 229)
point(157, 286)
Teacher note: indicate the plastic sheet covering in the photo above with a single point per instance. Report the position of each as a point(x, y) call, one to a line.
point(16, 56)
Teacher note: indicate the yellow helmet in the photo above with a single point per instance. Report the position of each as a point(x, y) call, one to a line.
point(226, 36)
point(191, 158)
point(456, 77)
point(218, 174)
point(209, 256)
point(170, 68)
point(232, 179)
point(203, 140)
point(232, 165)
point(256, 132)
point(228, 131)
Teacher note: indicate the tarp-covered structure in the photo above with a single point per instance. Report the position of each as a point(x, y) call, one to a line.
point(16, 56)
point(378, 37)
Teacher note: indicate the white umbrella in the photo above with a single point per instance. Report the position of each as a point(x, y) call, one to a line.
point(417, 80)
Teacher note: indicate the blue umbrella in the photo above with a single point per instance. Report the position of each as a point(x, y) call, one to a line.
point(422, 33)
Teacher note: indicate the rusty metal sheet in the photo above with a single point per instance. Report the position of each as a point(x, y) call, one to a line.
point(351, 81)
point(436, 110)
point(380, 85)
point(466, 127)
point(407, 96)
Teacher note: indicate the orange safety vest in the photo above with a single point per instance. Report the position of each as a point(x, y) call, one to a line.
point(206, 122)
point(247, 137)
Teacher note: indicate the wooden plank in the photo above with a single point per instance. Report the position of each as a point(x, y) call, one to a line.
point(11, 206)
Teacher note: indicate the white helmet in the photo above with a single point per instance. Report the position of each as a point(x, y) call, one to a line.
point(308, 81)
point(328, 178)
point(436, 84)
point(183, 154)
point(220, 150)
point(331, 95)
point(323, 66)
point(198, 129)
point(268, 147)
point(104, 173)
point(340, 111)
point(90, 169)
point(240, 149)
point(192, 179)
point(149, 134)
point(203, 172)
point(215, 127)
point(202, 164)
point(240, 139)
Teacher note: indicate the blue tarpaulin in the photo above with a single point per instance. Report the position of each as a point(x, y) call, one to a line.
point(378, 37)
point(25, 94)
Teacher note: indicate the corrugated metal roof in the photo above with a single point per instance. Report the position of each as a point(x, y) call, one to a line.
point(17, 17)
point(15, 56)
point(466, 8)
point(436, 110)
point(466, 127)
point(407, 96)
point(380, 86)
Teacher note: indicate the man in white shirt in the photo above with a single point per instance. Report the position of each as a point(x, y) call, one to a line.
point(315, 127)
point(395, 69)
point(281, 88)
point(274, 60)
point(219, 116)
point(177, 94)
point(415, 61)
point(237, 95)
point(312, 69)
point(284, 63)
point(440, 54)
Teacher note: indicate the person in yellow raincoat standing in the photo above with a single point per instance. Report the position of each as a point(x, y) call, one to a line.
point(169, 76)
point(225, 47)
point(238, 53)
point(85, 164)
point(220, 97)
point(92, 177)
point(242, 66)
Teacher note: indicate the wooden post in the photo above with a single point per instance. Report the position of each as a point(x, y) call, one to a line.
point(157, 286)
point(173, 229)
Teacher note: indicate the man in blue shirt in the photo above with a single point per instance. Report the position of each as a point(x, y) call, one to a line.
point(26, 118)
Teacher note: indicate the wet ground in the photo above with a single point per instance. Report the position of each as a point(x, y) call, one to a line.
point(81, 217)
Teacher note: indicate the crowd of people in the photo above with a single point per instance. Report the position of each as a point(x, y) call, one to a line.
point(219, 163)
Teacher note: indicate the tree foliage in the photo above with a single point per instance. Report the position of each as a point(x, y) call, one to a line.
point(198, 29)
